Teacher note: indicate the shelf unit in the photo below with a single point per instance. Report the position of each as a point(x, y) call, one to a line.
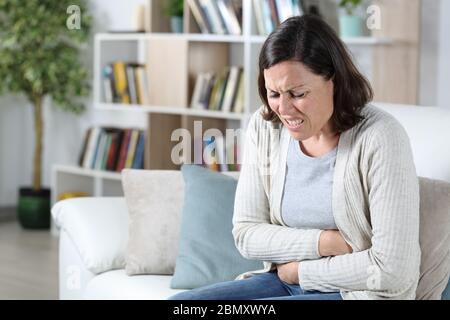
point(66, 178)
point(173, 61)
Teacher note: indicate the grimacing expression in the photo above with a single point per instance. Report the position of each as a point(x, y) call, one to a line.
point(301, 99)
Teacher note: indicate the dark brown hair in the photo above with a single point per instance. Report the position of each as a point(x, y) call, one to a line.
point(310, 40)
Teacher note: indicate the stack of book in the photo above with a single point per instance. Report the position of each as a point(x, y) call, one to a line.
point(217, 16)
point(125, 82)
point(220, 155)
point(222, 91)
point(270, 13)
point(113, 149)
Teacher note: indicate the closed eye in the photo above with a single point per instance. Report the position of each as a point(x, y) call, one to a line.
point(298, 95)
point(275, 95)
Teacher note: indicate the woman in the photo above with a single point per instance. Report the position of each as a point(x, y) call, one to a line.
point(328, 195)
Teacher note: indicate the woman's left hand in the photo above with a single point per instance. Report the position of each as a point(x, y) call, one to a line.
point(288, 272)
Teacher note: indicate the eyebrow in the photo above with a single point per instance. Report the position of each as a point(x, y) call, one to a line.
point(301, 85)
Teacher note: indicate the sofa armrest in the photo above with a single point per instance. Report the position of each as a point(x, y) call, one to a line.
point(98, 228)
point(73, 275)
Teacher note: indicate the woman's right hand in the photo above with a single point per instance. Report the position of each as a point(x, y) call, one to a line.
point(332, 243)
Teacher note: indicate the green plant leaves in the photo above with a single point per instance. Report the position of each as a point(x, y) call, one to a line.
point(350, 5)
point(39, 55)
point(174, 8)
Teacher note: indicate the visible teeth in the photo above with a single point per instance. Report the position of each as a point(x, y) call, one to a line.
point(294, 122)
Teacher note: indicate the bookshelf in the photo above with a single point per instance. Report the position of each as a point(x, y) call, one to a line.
point(95, 182)
point(172, 63)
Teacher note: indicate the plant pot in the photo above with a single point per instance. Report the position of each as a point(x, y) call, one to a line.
point(34, 208)
point(176, 24)
point(351, 26)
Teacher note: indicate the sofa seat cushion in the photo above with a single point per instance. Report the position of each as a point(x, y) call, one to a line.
point(117, 285)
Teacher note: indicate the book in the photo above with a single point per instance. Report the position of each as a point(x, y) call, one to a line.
point(274, 12)
point(213, 15)
point(260, 25)
point(105, 151)
point(130, 68)
point(240, 99)
point(222, 89)
point(123, 150)
point(113, 153)
point(237, 7)
point(215, 91)
point(98, 160)
point(284, 9)
point(95, 152)
point(206, 83)
point(229, 17)
point(195, 100)
point(120, 81)
point(91, 148)
point(138, 162)
point(210, 80)
point(269, 23)
point(231, 88)
point(199, 16)
point(142, 85)
point(132, 148)
point(108, 84)
point(84, 147)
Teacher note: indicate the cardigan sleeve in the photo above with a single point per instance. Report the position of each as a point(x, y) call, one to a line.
point(255, 236)
point(391, 264)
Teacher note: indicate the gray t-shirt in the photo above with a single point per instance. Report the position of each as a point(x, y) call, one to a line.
point(306, 202)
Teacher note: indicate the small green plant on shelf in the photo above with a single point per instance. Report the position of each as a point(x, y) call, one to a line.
point(350, 23)
point(350, 6)
point(174, 10)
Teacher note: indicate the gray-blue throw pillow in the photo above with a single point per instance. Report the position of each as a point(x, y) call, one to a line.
point(207, 253)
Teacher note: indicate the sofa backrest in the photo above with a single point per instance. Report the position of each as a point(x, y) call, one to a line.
point(429, 132)
point(428, 129)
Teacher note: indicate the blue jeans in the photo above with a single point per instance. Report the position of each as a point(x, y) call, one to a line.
point(261, 286)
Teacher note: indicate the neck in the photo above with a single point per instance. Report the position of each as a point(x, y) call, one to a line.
point(323, 142)
point(326, 135)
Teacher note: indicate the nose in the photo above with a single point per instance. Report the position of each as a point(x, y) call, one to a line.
point(284, 104)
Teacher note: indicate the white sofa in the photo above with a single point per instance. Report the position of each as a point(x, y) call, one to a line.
point(94, 231)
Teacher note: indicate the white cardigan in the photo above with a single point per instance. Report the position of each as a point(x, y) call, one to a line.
point(375, 206)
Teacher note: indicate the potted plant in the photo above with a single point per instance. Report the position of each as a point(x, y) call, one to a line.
point(40, 59)
point(350, 24)
point(174, 10)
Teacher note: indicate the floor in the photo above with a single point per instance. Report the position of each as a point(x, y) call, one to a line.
point(28, 262)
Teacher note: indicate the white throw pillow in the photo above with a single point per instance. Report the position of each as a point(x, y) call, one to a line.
point(155, 200)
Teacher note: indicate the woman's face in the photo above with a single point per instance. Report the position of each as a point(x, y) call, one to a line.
point(302, 99)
